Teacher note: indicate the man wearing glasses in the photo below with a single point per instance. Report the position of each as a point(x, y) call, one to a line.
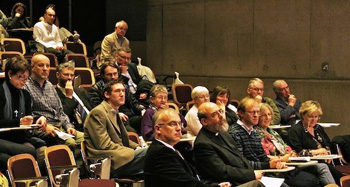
point(105, 134)
point(256, 90)
point(164, 165)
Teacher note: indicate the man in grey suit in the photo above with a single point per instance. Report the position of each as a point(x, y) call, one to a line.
point(105, 134)
point(114, 41)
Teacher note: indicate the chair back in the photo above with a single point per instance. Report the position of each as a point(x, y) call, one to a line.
point(345, 181)
point(8, 55)
point(87, 77)
point(58, 155)
point(13, 44)
point(189, 105)
point(52, 76)
point(16, 165)
point(134, 137)
point(234, 102)
point(76, 47)
point(80, 60)
point(52, 57)
point(173, 106)
point(182, 94)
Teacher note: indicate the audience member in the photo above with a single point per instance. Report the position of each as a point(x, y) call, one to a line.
point(216, 155)
point(105, 134)
point(76, 102)
point(256, 90)
point(164, 165)
point(131, 111)
point(221, 96)
point(46, 33)
point(248, 142)
point(287, 103)
point(159, 99)
point(18, 17)
point(275, 147)
point(114, 41)
point(15, 110)
point(199, 96)
point(46, 102)
point(129, 72)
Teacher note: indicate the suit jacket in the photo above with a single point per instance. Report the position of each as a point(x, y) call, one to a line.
point(110, 46)
point(164, 167)
point(287, 111)
point(221, 161)
point(134, 74)
point(104, 136)
point(69, 105)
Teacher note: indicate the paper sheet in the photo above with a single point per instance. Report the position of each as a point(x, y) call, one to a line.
point(63, 135)
point(271, 181)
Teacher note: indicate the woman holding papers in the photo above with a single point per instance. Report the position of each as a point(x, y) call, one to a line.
point(274, 146)
point(15, 111)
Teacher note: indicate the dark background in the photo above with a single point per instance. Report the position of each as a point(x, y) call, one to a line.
point(92, 19)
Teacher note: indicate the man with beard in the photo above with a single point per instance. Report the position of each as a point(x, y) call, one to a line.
point(216, 155)
point(76, 102)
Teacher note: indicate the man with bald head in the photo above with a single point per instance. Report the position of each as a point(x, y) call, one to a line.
point(287, 103)
point(47, 103)
point(256, 90)
point(114, 41)
point(215, 152)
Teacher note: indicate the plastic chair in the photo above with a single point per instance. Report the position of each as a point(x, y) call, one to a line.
point(8, 55)
point(63, 170)
point(189, 105)
point(25, 177)
point(80, 60)
point(182, 94)
point(173, 106)
point(13, 44)
point(52, 76)
point(76, 47)
point(234, 102)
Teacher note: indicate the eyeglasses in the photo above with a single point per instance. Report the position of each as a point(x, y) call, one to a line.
point(217, 113)
point(173, 124)
point(258, 89)
point(162, 97)
point(253, 112)
point(203, 97)
point(22, 77)
point(124, 57)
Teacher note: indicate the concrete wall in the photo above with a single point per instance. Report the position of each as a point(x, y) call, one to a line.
point(227, 42)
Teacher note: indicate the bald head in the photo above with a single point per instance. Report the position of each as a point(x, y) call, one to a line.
point(212, 117)
point(40, 67)
point(167, 126)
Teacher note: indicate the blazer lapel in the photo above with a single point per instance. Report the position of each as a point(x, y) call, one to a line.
point(112, 117)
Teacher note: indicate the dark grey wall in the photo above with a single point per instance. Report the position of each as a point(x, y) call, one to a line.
point(227, 42)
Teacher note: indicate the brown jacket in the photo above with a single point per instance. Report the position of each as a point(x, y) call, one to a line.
point(103, 136)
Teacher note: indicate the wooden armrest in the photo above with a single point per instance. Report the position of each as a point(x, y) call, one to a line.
point(29, 179)
point(63, 168)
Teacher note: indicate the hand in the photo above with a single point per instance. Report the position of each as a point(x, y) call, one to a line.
point(72, 131)
point(258, 175)
point(285, 158)
point(143, 96)
point(276, 163)
point(18, 15)
point(69, 88)
point(258, 98)
point(225, 184)
point(123, 116)
point(320, 151)
point(221, 105)
point(123, 68)
point(50, 130)
point(291, 100)
point(26, 120)
point(59, 48)
point(42, 123)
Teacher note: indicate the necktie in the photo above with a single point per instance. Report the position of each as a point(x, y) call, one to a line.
point(82, 110)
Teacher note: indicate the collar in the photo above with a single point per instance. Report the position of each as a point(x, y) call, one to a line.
point(36, 83)
point(247, 129)
point(166, 144)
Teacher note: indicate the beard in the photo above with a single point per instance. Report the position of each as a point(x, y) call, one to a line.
point(222, 126)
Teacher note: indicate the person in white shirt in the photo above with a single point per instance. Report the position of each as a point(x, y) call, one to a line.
point(46, 33)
